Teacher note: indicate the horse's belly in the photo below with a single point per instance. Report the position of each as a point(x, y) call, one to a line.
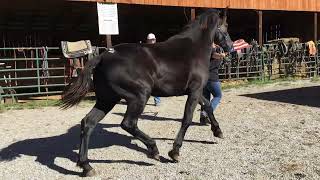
point(166, 92)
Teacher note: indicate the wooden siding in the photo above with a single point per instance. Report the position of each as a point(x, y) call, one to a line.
point(287, 5)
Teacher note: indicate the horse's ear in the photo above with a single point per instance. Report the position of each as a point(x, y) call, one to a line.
point(224, 18)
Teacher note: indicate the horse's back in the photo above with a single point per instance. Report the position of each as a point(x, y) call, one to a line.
point(167, 67)
point(126, 63)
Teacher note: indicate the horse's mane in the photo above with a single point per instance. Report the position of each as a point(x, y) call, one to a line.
point(201, 21)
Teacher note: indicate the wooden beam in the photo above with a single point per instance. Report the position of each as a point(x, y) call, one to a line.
point(260, 30)
point(315, 19)
point(109, 41)
point(287, 5)
point(193, 14)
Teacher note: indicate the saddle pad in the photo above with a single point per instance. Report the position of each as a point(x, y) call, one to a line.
point(312, 48)
point(76, 49)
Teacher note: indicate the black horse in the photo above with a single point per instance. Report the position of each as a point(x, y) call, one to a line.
point(134, 72)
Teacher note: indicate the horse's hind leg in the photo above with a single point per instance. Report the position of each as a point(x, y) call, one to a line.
point(214, 123)
point(134, 109)
point(88, 123)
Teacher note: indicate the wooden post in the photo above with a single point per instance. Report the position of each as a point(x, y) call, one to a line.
point(315, 27)
point(193, 14)
point(109, 41)
point(260, 28)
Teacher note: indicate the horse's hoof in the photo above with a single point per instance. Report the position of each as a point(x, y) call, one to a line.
point(218, 133)
point(174, 156)
point(154, 156)
point(89, 173)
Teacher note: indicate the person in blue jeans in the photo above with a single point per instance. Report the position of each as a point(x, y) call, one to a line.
point(213, 85)
point(151, 39)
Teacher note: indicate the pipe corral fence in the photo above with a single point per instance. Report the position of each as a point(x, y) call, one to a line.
point(30, 71)
point(272, 61)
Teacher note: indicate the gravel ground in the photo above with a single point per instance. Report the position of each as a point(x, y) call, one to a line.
point(271, 132)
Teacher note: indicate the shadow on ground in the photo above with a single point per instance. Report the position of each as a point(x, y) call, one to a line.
point(46, 150)
point(187, 140)
point(63, 146)
point(153, 116)
point(307, 96)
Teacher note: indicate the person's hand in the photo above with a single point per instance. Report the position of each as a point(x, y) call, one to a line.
point(214, 46)
point(218, 56)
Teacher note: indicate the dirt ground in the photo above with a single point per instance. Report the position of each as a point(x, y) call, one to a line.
point(271, 132)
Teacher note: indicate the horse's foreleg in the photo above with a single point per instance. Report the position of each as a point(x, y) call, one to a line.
point(214, 123)
point(186, 122)
point(88, 123)
point(134, 109)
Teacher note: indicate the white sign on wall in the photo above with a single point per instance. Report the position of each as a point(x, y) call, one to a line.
point(108, 18)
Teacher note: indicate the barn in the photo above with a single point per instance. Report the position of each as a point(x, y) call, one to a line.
point(31, 31)
point(46, 23)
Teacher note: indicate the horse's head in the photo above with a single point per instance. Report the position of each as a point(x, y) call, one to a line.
point(217, 27)
point(222, 37)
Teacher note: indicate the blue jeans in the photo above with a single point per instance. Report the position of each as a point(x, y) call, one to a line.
point(213, 88)
point(156, 100)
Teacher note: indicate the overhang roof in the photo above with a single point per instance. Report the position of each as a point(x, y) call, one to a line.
point(286, 5)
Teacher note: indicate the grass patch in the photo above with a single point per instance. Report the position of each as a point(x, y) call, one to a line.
point(315, 79)
point(37, 104)
point(30, 104)
point(246, 83)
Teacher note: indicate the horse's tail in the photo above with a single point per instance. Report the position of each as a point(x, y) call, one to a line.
point(78, 89)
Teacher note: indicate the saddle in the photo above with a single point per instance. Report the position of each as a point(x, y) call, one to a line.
point(286, 45)
point(76, 49)
point(285, 40)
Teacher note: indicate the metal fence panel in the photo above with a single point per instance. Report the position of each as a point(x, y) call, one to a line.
point(43, 70)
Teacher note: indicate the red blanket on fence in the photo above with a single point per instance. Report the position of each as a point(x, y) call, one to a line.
point(240, 44)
